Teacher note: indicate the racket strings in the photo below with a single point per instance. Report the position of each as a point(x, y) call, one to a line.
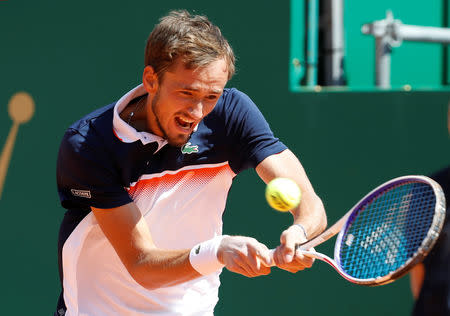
point(387, 230)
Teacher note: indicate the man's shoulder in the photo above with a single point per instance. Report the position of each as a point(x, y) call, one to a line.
point(230, 95)
point(232, 101)
point(94, 130)
point(98, 119)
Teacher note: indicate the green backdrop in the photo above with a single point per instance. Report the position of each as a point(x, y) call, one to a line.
point(73, 57)
point(420, 65)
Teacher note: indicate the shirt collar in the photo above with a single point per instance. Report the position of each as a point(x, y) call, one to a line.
point(127, 133)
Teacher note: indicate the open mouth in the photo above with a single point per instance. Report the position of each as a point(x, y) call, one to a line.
point(184, 123)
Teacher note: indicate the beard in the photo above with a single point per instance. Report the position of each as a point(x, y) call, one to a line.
point(177, 141)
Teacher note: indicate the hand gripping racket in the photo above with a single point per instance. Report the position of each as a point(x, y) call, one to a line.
point(386, 233)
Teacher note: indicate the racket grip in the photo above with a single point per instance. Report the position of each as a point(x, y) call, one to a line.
point(309, 253)
point(272, 261)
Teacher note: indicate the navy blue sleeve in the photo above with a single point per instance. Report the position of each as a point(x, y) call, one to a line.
point(250, 137)
point(86, 175)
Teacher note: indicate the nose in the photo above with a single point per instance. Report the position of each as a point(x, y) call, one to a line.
point(196, 110)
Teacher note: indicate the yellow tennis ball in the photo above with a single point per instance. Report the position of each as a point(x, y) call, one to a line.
point(283, 194)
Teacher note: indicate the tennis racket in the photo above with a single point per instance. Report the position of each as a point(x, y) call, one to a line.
point(386, 233)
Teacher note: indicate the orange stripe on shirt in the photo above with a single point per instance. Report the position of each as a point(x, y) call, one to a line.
point(186, 177)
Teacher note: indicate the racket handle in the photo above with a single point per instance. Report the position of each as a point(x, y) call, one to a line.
point(325, 235)
point(272, 261)
point(309, 253)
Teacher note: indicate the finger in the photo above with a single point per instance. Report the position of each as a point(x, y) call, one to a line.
point(243, 260)
point(252, 272)
point(303, 260)
point(244, 257)
point(263, 254)
point(300, 261)
point(287, 250)
point(236, 263)
point(259, 258)
point(263, 268)
point(305, 253)
point(235, 268)
point(292, 267)
point(265, 262)
point(253, 262)
point(244, 269)
point(278, 256)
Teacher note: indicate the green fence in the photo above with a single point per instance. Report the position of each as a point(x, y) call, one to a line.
point(72, 57)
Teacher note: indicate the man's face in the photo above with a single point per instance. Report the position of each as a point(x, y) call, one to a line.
point(183, 98)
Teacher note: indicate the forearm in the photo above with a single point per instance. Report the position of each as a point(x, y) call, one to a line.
point(150, 266)
point(156, 268)
point(160, 268)
point(310, 213)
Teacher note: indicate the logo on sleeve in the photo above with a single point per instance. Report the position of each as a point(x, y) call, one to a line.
point(188, 148)
point(197, 251)
point(81, 193)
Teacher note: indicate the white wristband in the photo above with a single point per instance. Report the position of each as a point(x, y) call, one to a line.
point(203, 256)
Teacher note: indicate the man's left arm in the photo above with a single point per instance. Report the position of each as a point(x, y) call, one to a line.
point(310, 214)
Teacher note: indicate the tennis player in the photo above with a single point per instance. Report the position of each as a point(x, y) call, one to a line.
point(145, 181)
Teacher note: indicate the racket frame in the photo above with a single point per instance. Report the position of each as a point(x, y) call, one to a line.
point(341, 226)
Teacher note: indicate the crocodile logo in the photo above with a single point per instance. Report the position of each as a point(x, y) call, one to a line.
point(188, 148)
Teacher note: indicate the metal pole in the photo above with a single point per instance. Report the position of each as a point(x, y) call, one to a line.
point(389, 33)
point(422, 33)
point(382, 62)
point(337, 42)
point(383, 48)
point(331, 72)
point(312, 43)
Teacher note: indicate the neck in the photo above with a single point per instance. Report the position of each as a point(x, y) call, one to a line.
point(134, 113)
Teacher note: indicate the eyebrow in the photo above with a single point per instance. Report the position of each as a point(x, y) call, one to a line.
point(213, 91)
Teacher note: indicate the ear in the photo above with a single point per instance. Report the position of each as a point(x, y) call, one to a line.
point(150, 80)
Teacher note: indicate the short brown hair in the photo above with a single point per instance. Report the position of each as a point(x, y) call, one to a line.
point(192, 37)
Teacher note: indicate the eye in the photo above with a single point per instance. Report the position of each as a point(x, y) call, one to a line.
point(186, 93)
point(212, 97)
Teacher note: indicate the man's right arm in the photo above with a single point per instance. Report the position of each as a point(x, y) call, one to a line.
point(151, 267)
point(128, 233)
